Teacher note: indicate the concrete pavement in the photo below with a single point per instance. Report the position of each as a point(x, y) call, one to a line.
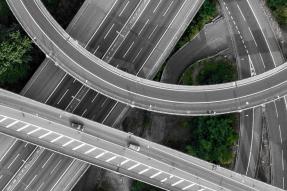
point(107, 147)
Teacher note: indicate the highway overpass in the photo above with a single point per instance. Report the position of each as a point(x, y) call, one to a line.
point(95, 27)
point(139, 92)
point(108, 148)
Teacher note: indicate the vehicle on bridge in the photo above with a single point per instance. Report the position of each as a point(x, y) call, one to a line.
point(77, 125)
point(134, 147)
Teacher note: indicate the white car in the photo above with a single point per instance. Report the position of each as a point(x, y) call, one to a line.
point(134, 147)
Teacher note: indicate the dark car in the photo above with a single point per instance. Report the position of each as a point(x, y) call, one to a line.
point(77, 125)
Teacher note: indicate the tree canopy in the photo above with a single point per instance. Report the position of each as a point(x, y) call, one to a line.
point(279, 8)
point(213, 138)
point(14, 56)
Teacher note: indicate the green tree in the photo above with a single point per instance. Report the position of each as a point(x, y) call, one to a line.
point(281, 15)
point(213, 138)
point(216, 71)
point(14, 56)
point(4, 10)
point(279, 9)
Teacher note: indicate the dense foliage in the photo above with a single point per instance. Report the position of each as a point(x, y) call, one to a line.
point(210, 71)
point(213, 138)
point(279, 9)
point(15, 51)
point(14, 56)
point(4, 10)
point(216, 71)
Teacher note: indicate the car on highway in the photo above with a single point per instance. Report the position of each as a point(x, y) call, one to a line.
point(77, 125)
point(134, 147)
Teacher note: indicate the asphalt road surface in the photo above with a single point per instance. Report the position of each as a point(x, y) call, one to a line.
point(257, 52)
point(150, 95)
point(107, 147)
point(55, 79)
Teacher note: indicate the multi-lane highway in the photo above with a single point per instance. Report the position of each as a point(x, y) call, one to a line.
point(93, 104)
point(256, 54)
point(139, 92)
point(109, 148)
point(113, 59)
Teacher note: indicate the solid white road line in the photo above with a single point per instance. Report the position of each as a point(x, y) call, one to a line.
point(55, 166)
point(145, 170)
point(46, 134)
point(56, 139)
point(3, 119)
point(102, 154)
point(104, 102)
point(77, 147)
point(124, 162)
point(112, 158)
point(31, 182)
point(276, 110)
point(56, 88)
point(96, 49)
point(48, 160)
point(152, 32)
point(252, 36)
point(24, 127)
point(134, 166)
point(104, 19)
point(178, 182)
point(251, 144)
point(84, 112)
point(172, 22)
point(124, 8)
point(270, 51)
point(11, 124)
point(67, 143)
point(63, 96)
point(144, 26)
point(137, 55)
point(109, 31)
point(156, 174)
point(282, 157)
point(280, 133)
point(128, 49)
point(168, 8)
point(163, 180)
point(34, 131)
point(9, 149)
point(110, 112)
point(39, 188)
point(241, 12)
point(95, 97)
point(13, 161)
point(188, 186)
point(157, 6)
point(91, 150)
